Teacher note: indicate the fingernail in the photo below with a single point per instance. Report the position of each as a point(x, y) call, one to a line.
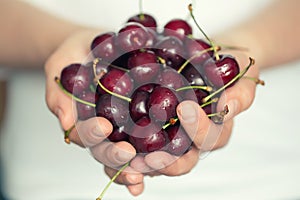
point(97, 131)
point(188, 112)
point(232, 107)
point(124, 156)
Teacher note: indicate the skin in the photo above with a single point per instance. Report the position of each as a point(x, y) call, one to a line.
point(207, 136)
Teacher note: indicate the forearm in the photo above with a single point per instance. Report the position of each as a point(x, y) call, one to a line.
point(272, 36)
point(29, 35)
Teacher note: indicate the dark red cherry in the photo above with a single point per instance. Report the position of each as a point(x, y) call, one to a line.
point(147, 136)
point(103, 46)
point(86, 111)
point(193, 75)
point(194, 48)
point(171, 50)
point(178, 28)
point(113, 109)
point(220, 72)
point(144, 66)
point(171, 78)
point(180, 142)
point(138, 105)
point(148, 87)
point(162, 103)
point(132, 36)
point(146, 20)
point(118, 134)
point(116, 81)
point(76, 78)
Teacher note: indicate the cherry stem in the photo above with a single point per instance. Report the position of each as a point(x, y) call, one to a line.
point(67, 133)
point(242, 73)
point(112, 180)
point(142, 16)
point(114, 94)
point(201, 87)
point(229, 47)
point(221, 113)
point(172, 121)
point(256, 80)
point(214, 48)
point(97, 60)
point(161, 60)
point(190, 7)
point(214, 100)
point(72, 96)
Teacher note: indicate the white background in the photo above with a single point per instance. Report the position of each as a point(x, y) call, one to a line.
point(261, 161)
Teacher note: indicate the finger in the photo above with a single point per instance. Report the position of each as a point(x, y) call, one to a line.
point(239, 97)
point(90, 132)
point(127, 177)
point(138, 163)
point(137, 189)
point(170, 165)
point(113, 154)
point(57, 101)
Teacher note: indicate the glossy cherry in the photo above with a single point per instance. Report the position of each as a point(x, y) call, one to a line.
point(146, 20)
point(103, 46)
point(76, 78)
point(147, 136)
point(116, 81)
point(178, 28)
point(132, 36)
point(162, 103)
point(143, 66)
point(180, 142)
point(220, 71)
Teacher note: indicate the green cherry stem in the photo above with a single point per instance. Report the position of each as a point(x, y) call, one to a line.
point(241, 74)
point(67, 133)
point(112, 180)
point(213, 48)
point(142, 16)
point(114, 94)
point(172, 121)
point(201, 87)
point(190, 7)
point(71, 95)
point(256, 80)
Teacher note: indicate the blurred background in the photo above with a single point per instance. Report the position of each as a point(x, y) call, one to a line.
point(261, 160)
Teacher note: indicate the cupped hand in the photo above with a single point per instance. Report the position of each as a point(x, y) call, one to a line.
point(206, 134)
point(90, 133)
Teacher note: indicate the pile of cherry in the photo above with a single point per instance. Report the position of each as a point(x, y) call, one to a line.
point(139, 75)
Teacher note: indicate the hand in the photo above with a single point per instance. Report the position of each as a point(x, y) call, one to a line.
point(90, 133)
point(206, 135)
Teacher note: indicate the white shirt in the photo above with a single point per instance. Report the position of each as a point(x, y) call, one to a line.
point(261, 160)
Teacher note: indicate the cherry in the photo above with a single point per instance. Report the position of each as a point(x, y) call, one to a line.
point(147, 136)
point(220, 71)
point(194, 47)
point(116, 81)
point(138, 105)
point(170, 49)
point(149, 87)
point(118, 134)
point(146, 20)
point(86, 111)
point(178, 28)
point(162, 103)
point(193, 75)
point(75, 78)
point(132, 36)
point(180, 142)
point(144, 66)
point(171, 78)
point(113, 109)
point(103, 46)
